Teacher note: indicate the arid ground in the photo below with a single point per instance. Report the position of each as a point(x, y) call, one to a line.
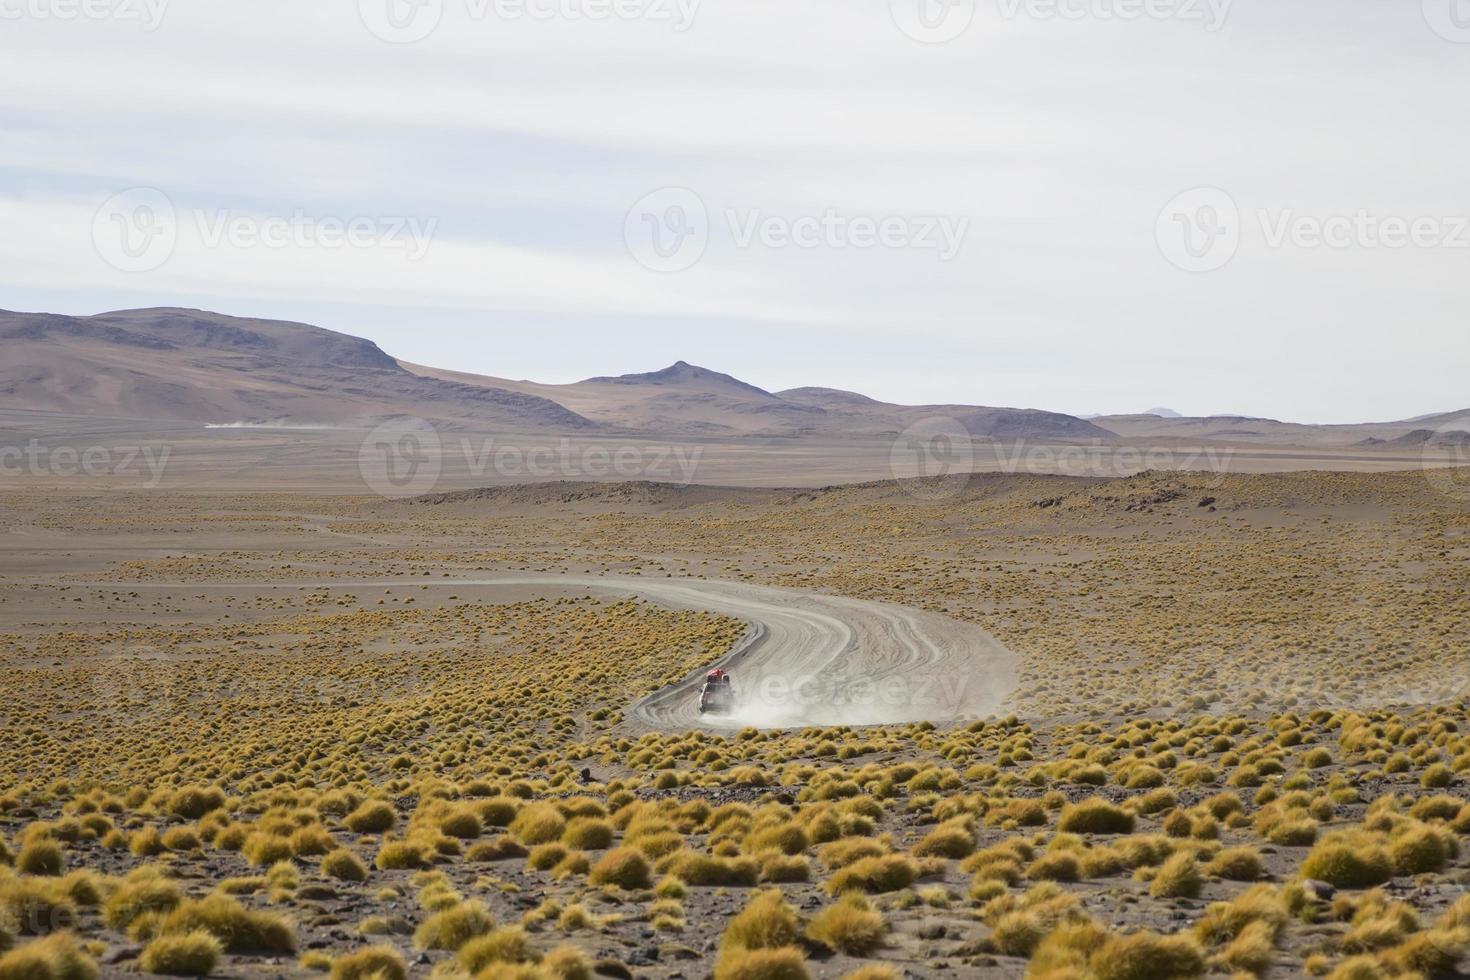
point(254, 733)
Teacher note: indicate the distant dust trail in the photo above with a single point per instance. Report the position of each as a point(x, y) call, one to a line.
point(806, 659)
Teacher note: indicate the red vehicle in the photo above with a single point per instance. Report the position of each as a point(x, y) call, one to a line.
point(717, 696)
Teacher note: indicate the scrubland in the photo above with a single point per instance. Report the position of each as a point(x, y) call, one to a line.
point(1240, 746)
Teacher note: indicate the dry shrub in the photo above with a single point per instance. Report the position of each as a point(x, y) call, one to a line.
point(1179, 877)
point(497, 849)
point(778, 868)
point(539, 823)
point(1147, 956)
point(1349, 860)
point(343, 865)
point(504, 945)
point(397, 855)
point(1252, 950)
point(851, 926)
point(588, 834)
point(1419, 848)
point(625, 867)
point(786, 963)
point(766, 922)
point(1223, 921)
point(949, 840)
point(841, 853)
point(566, 963)
point(373, 963)
point(39, 856)
point(311, 840)
point(544, 857)
point(139, 894)
point(34, 906)
point(875, 875)
point(1236, 864)
point(193, 802)
point(694, 868)
point(56, 957)
point(263, 849)
point(1055, 866)
point(372, 817)
point(1095, 816)
point(188, 954)
point(451, 928)
point(463, 823)
point(498, 811)
point(180, 839)
point(241, 930)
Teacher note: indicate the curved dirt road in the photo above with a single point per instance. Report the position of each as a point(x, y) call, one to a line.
point(807, 659)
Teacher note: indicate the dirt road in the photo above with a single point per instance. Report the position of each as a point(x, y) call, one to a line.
point(807, 659)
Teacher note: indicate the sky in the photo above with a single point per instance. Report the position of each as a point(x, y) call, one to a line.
point(1089, 206)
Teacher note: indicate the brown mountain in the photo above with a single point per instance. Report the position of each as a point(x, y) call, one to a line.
point(192, 365)
point(195, 366)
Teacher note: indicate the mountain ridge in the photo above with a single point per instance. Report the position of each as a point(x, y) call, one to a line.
point(182, 364)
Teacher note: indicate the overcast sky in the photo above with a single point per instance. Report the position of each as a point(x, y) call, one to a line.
point(997, 204)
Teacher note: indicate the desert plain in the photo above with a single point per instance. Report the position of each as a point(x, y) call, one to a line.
point(1178, 724)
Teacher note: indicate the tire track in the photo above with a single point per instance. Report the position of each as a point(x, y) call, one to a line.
point(805, 660)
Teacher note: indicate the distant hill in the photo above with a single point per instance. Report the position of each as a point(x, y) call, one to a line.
point(195, 366)
point(686, 399)
point(191, 365)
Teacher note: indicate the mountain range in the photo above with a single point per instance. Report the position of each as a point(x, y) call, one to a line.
point(196, 366)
